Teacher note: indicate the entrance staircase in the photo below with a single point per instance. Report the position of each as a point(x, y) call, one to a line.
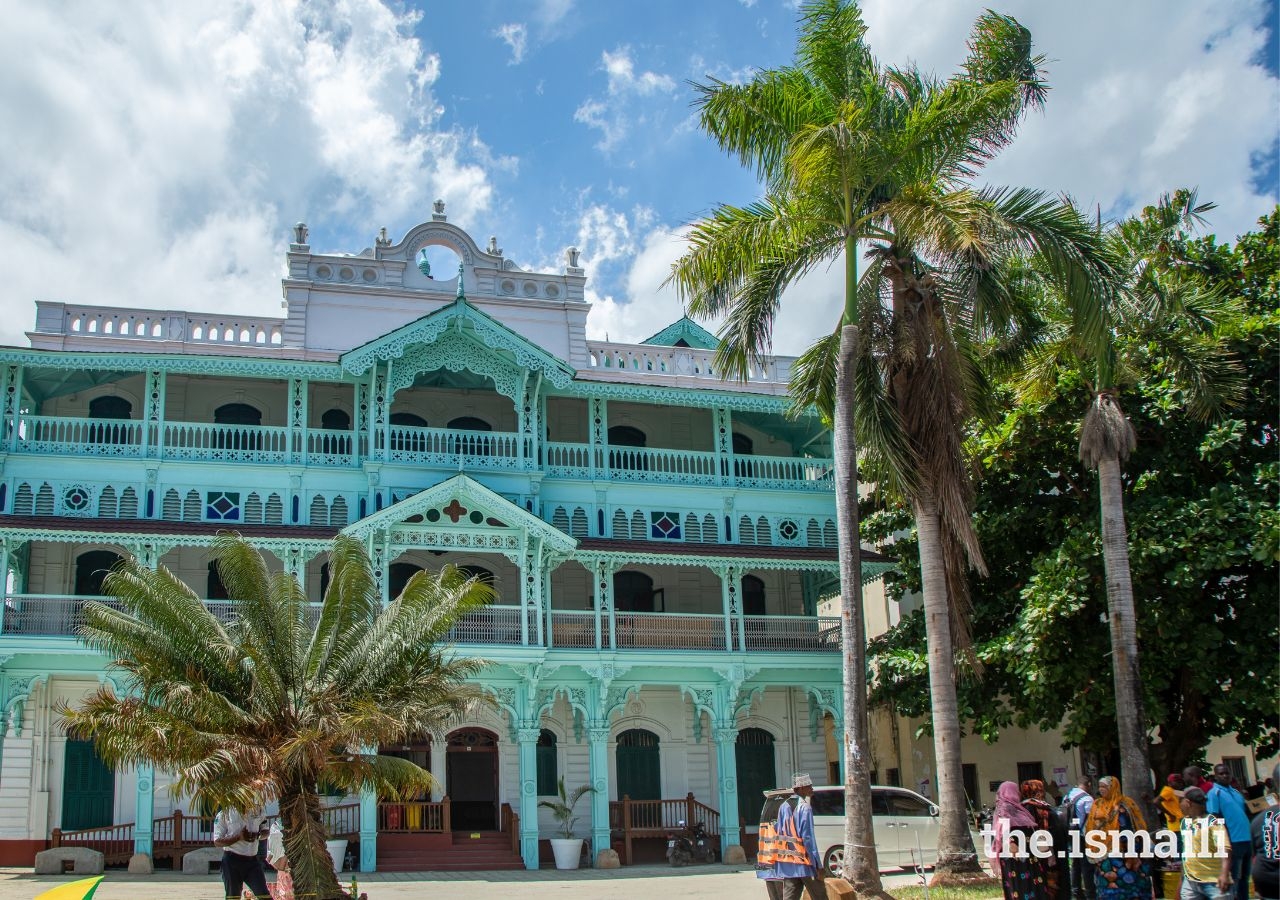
point(476, 851)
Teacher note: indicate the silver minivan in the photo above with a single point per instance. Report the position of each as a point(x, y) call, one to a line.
point(905, 825)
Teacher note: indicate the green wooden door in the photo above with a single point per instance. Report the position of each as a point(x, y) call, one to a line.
point(88, 788)
point(639, 774)
point(756, 773)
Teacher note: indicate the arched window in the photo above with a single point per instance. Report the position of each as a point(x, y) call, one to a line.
point(480, 573)
point(335, 420)
point(633, 592)
point(639, 765)
point(324, 580)
point(752, 596)
point(237, 414)
point(214, 588)
point(110, 408)
point(547, 772)
point(91, 570)
point(398, 576)
point(469, 423)
point(404, 418)
point(627, 436)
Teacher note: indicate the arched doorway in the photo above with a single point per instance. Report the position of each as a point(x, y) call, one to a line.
point(471, 779)
point(110, 407)
point(639, 766)
point(752, 596)
point(398, 576)
point(241, 414)
point(627, 436)
point(633, 592)
point(756, 772)
point(92, 568)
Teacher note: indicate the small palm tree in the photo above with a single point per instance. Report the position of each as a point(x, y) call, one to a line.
point(272, 704)
point(562, 809)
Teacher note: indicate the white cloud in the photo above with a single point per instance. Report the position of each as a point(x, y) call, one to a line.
point(163, 153)
point(552, 12)
point(515, 36)
point(1134, 110)
point(612, 117)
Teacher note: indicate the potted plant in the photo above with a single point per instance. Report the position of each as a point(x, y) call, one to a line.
point(567, 848)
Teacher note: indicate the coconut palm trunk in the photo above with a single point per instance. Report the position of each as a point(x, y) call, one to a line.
point(956, 854)
point(1105, 438)
point(861, 867)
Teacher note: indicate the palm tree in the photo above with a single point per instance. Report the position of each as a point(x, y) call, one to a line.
point(271, 704)
point(852, 151)
point(1158, 301)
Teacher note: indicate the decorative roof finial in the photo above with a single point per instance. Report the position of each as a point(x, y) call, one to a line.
point(494, 249)
point(423, 265)
point(300, 233)
point(461, 295)
point(571, 256)
point(382, 240)
point(438, 214)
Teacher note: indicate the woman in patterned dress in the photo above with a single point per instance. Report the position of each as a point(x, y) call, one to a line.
point(1056, 874)
point(1021, 874)
point(1124, 877)
point(282, 888)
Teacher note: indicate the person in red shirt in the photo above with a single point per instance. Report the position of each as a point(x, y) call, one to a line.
point(1193, 776)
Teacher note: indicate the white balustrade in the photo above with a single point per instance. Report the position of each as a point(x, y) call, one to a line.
point(571, 460)
point(793, 471)
point(60, 615)
point(448, 446)
point(782, 633)
point(330, 448)
point(687, 362)
point(226, 443)
point(670, 631)
point(154, 325)
point(79, 436)
point(669, 466)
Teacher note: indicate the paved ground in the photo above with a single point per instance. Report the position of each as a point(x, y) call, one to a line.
point(631, 883)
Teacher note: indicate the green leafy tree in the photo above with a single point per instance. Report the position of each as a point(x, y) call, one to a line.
point(853, 152)
point(1204, 541)
point(272, 704)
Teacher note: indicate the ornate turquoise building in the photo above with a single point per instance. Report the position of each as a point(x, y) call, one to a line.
point(659, 538)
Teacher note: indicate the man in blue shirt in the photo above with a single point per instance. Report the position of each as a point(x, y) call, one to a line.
point(800, 867)
point(1227, 803)
point(1078, 802)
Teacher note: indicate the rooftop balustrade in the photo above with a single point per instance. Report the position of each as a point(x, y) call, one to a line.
point(60, 616)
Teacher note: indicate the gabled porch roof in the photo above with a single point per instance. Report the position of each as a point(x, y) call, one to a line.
point(464, 317)
point(457, 501)
point(687, 330)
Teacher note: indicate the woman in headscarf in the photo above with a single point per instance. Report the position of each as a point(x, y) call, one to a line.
point(1057, 876)
point(1021, 874)
point(1127, 876)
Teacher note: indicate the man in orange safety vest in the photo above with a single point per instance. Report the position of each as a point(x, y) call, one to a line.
point(789, 850)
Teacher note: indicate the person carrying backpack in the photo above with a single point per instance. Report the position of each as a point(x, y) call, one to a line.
point(1073, 812)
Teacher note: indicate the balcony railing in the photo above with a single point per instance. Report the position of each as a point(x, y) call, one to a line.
point(676, 631)
point(46, 615)
point(448, 446)
point(445, 447)
point(791, 633)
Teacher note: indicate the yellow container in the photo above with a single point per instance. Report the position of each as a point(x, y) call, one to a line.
point(1172, 882)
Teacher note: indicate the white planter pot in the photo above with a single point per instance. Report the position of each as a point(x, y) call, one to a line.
point(567, 851)
point(337, 850)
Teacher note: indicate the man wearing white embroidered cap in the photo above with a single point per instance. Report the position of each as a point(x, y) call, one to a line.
point(797, 863)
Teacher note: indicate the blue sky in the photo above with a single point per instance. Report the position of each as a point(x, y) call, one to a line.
point(157, 156)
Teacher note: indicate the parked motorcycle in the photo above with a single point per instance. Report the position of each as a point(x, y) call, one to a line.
point(690, 844)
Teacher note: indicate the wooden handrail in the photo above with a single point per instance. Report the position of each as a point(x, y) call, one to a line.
point(655, 818)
